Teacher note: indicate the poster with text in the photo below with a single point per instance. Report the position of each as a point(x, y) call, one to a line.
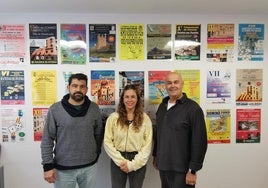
point(102, 43)
point(39, 121)
point(157, 90)
point(219, 86)
point(191, 85)
point(249, 86)
point(220, 43)
point(103, 87)
point(73, 44)
point(44, 87)
point(250, 42)
point(12, 44)
point(159, 41)
point(218, 126)
point(131, 41)
point(248, 125)
point(13, 125)
point(12, 87)
point(43, 43)
point(132, 78)
point(187, 42)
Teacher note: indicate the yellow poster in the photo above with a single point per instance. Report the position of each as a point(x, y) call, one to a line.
point(131, 41)
point(191, 83)
point(218, 125)
point(44, 91)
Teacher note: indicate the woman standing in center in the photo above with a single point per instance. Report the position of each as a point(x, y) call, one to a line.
point(128, 140)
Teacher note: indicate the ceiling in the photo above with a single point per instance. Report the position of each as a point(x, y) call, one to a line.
point(136, 6)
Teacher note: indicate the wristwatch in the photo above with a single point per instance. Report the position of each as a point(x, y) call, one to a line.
point(192, 171)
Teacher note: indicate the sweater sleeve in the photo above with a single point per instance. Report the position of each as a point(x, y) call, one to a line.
point(109, 146)
point(47, 142)
point(143, 155)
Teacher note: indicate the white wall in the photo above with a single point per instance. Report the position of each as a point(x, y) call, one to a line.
point(226, 165)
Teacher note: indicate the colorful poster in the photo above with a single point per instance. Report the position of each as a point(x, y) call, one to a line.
point(187, 42)
point(131, 41)
point(39, 121)
point(12, 87)
point(12, 44)
point(218, 126)
point(43, 43)
point(248, 125)
point(13, 125)
point(44, 87)
point(250, 42)
point(102, 43)
point(103, 87)
point(158, 41)
point(220, 42)
point(157, 90)
point(219, 86)
point(131, 77)
point(191, 83)
point(249, 86)
point(73, 44)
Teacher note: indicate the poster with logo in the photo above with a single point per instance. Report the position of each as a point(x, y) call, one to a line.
point(103, 87)
point(102, 43)
point(218, 122)
point(13, 125)
point(73, 44)
point(12, 44)
point(43, 43)
point(131, 41)
point(12, 87)
point(248, 125)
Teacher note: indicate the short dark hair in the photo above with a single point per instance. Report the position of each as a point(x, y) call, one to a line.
point(78, 76)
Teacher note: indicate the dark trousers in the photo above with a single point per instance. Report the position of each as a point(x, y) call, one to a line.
point(172, 179)
point(119, 177)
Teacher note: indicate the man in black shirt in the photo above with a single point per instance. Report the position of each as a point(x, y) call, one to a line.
point(180, 136)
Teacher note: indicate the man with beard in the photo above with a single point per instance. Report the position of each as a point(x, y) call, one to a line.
point(72, 138)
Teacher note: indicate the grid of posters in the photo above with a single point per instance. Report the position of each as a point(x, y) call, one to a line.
point(13, 125)
point(220, 42)
point(43, 43)
point(44, 84)
point(131, 41)
point(103, 87)
point(73, 44)
point(12, 87)
point(12, 44)
point(39, 121)
point(250, 42)
point(73, 47)
point(248, 125)
point(249, 86)
point(187, 42)
point(102, 42)
point(219, 86)
point(218, 125)
point(158, 41)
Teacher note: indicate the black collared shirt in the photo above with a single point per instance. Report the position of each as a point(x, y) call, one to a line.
point(181, 137)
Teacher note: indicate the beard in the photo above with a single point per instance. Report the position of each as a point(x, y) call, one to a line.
point(77, 97)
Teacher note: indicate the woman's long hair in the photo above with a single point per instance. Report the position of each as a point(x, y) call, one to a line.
point(138, 112)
